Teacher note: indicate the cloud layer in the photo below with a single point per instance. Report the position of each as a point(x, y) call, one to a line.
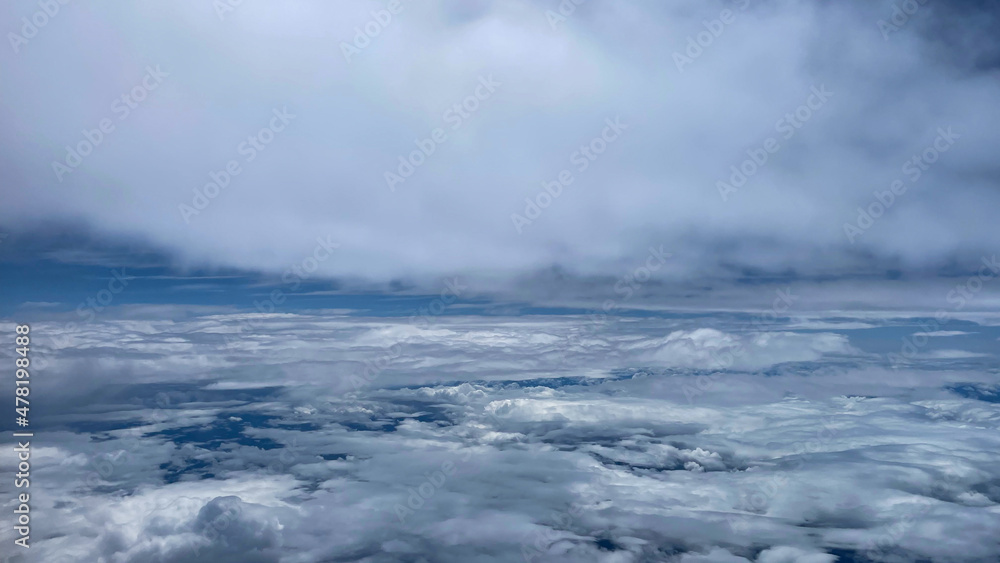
point(337, 437)
point(265, 101)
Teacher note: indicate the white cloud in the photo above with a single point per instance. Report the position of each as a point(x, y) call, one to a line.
point(452, 451)
point(322, 176)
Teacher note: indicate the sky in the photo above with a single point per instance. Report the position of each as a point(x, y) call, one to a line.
point(503, 281)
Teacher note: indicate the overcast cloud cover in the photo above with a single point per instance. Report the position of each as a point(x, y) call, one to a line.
point(503, 281)
point(323, 175)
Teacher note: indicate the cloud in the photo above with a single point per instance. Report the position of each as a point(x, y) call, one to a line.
point(479, 440)
point(940, 333)
point(715, 349)
point(209, 87)
point(632, 185)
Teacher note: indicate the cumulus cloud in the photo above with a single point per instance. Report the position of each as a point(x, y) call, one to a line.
point(479, 440)
point(714, 349)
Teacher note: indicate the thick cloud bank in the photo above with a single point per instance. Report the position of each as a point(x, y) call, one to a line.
point(743, 136)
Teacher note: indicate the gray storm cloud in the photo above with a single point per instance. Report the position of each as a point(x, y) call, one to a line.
point(428, 138)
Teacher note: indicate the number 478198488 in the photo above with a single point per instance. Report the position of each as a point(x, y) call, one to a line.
point(22, 362)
